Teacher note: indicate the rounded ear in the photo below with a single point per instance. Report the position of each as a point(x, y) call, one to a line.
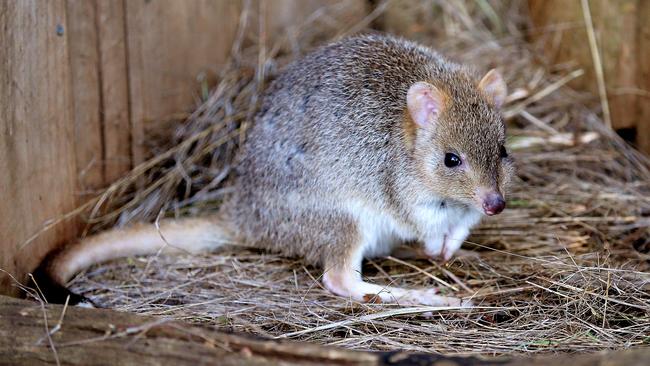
point(425, 103)
point(494, 88)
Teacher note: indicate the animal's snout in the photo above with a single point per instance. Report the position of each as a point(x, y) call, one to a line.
point(493, 204)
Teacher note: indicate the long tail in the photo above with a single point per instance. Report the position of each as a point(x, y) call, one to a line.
point(171, 236)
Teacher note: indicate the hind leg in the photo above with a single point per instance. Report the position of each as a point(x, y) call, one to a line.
point(346, 282)
point(342, 276)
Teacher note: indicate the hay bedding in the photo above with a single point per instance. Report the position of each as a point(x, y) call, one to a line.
point(562, 269)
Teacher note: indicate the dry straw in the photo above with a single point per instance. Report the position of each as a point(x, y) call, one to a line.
point(562, 269)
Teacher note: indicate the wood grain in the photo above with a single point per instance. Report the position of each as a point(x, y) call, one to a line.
point(169, 44)
point(417, 20)
point(287, 20)
point(619, 27)
point(37, 156)
point(104, 337)
point(86, 98)
point(111, 27)
point(97, 43)
point(643, 44)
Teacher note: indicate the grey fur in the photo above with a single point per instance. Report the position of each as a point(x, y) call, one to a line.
point(334, 127)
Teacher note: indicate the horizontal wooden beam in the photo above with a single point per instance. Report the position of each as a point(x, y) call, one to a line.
point(33, 333)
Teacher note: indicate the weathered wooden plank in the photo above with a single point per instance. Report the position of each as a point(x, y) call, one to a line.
point(643, 42)
point(86, 100)
point(37, 157)
point(170, 43)
point(285, 19)
point(111, 23)
point(619, 31)
point(415, 20)
point(104, 337)
point(97, 44)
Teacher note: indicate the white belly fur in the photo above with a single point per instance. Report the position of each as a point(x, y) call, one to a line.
point(435, 220)
point(444, 229)
point(383, 231)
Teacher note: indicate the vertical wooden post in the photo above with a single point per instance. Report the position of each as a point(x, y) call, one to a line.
point(86, 98)
point(169, 42)
point(643, 44)
point(37, 144)
point(97, 42)
point(111, 26)
point(619, 27)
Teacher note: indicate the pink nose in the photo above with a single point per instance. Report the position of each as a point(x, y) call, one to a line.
point(493, 204)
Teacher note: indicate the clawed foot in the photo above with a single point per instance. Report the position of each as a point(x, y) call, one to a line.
point(413, 297)
point(351, 287)
point(413, 253)
point(442, 249)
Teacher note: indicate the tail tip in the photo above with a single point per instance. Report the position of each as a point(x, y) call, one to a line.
point(52, 291)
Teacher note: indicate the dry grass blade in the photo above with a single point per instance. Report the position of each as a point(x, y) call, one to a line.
point(598, 65)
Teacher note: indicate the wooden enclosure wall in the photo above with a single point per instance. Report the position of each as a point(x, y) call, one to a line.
point(80, 83)
point(623, 39)
point(37, 155)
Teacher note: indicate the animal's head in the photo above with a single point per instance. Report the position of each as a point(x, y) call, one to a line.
point(459, 137)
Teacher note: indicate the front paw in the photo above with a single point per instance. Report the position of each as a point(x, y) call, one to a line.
point(444, 248)
point(434, 255)
point(431, 297)
point(439, 249)
point(448, 251)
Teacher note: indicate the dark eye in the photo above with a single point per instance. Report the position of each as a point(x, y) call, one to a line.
point(503, 153)
point(452, 160)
